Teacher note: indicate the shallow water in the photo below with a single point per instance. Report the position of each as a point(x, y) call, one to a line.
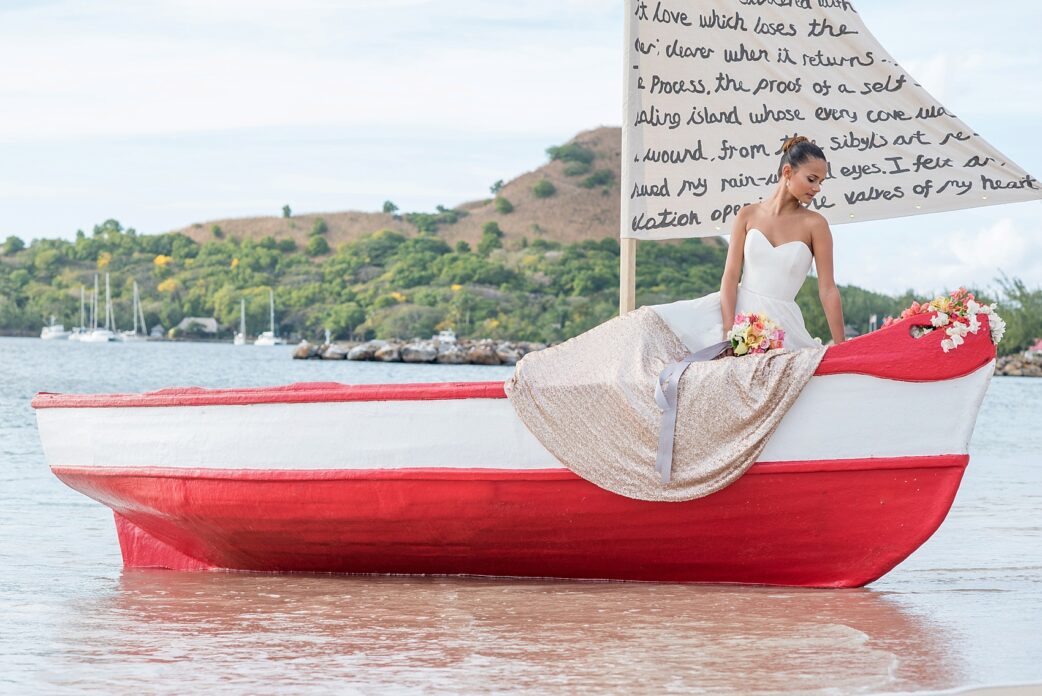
point(965, 609)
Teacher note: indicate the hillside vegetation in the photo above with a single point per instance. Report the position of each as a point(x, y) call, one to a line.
point(571, 198)
point(538, 261)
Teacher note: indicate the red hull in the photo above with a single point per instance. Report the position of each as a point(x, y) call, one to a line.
point(823, 524)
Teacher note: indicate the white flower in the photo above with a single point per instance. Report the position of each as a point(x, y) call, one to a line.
point(939, 319)
point(947, 345)
point(998, 328)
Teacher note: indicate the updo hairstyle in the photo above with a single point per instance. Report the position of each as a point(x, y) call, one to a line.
point(797, 150)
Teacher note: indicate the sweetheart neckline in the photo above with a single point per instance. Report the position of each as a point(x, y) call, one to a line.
point(794, 241)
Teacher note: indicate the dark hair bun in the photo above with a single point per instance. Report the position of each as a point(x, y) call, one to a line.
point(797, 150)
point(794, 140)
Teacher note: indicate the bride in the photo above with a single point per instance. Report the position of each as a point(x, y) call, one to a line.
point(772, 245)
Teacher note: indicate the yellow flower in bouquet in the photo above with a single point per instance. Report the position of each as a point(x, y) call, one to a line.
point(755, 333)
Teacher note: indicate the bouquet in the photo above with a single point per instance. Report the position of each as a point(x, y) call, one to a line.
point(754, 333)
point(957, 313)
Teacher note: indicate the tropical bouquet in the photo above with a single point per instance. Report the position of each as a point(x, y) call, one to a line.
point(958, 315)
point(754, 333)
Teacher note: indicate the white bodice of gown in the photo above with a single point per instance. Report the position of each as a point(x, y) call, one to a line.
point(771, 277)
point(774, 271)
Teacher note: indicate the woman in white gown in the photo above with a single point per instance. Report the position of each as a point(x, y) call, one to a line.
point(772, 245)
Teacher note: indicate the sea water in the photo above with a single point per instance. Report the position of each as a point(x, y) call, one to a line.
point(963, 610)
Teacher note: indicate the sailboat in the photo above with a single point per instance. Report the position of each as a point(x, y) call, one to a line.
point(138, 332)
point(240, 336)
point(53, 331)
point(79, 331)
point(446, 479)
point(268, 338)
point(103, 334)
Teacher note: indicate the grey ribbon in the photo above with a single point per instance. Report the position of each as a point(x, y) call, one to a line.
point(666, 388)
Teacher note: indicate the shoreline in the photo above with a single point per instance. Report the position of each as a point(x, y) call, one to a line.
point(485, 351)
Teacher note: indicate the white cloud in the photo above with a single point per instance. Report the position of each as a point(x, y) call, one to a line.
point(998, 245)
point(166, 112)
point(177, 68)
point(933, 253)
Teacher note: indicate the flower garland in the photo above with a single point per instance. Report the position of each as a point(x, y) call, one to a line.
point(755, 333)
point(958, 314)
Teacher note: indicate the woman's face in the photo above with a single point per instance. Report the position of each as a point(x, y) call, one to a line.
point(804, 182)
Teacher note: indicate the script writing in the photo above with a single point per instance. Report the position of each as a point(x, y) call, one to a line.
point(715, 87)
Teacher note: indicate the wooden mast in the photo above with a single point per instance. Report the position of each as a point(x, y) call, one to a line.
point(627, 274)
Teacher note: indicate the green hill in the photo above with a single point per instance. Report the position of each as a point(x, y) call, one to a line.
point(571, 198)
point(538, 262)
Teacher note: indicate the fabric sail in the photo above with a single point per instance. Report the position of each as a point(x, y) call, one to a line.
point(714, 87)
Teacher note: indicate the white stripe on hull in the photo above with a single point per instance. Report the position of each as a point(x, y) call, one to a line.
point(836, 417)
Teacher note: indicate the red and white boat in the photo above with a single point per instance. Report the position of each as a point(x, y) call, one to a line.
point(445, 479)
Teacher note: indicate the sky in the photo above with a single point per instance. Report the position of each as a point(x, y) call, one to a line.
point(164, 113)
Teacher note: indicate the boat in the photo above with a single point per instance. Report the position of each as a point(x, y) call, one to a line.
point(138, 333)
point(857, 476)
point(102, 334)
point(54, 331)
point(269, 338)
point(240, 336)
point(446, 479)
point(78, 332)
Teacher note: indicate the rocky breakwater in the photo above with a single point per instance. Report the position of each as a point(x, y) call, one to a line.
point(1019, 365)
point(482, 352)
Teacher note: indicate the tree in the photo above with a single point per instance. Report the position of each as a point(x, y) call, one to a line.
point(317, 246)
point(496, 187)
point(286, 211)
point(601, 177)
point(217, 232)
point(491, 238)
point(390, 208)
point(462, 247)
point(1021, 307)
point(319, 227)
point(543, 189)
point(576, 169)
point(342, 319)
point(503, 205)
point(408, 321)
point(12, 245)
point(572, 152)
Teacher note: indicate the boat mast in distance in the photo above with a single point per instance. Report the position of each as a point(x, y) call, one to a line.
point(268, 338)
point(240, 337)
point(139, 319)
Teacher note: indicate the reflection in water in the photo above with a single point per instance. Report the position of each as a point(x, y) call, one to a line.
point(965, 609)
point(180, 630)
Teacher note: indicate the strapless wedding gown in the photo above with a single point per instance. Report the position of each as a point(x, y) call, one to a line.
point(771, 277)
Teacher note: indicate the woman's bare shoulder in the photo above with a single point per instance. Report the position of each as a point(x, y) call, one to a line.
point(745, 216)
point(814, 222)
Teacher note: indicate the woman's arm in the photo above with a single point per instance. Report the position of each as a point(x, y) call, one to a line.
point(827, 290)
point(732, 271)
